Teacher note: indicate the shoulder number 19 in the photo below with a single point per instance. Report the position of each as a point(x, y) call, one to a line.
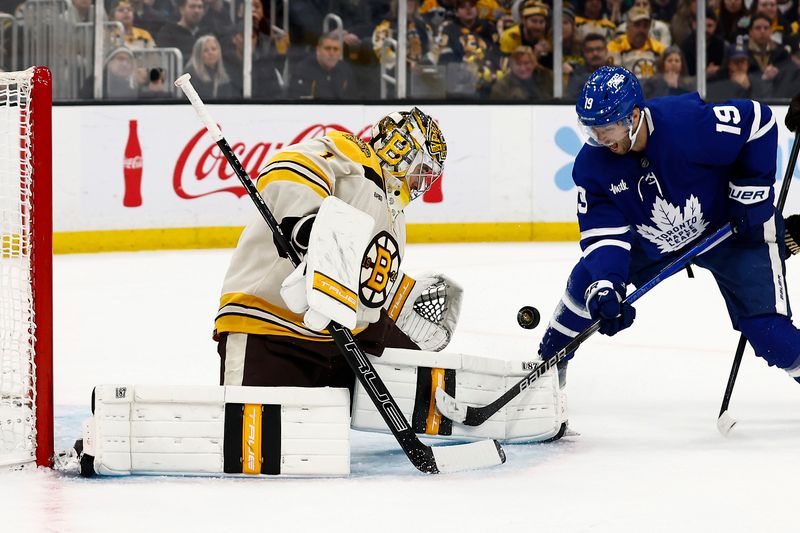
point(727, 114)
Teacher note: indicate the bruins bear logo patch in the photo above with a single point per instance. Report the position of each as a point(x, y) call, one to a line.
point(379, 269)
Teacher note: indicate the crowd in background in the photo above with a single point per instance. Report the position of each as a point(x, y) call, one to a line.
point(456, 49)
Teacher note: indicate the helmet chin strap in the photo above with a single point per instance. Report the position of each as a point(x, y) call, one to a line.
point(633, 135)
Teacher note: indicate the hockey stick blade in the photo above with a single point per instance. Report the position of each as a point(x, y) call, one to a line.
point(475, 416)
point(725, 423)
point(424, 458)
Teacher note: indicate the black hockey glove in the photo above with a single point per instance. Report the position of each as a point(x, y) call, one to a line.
point(297, 231)
point(793, 115)
point(604, 302)
point(792, 235)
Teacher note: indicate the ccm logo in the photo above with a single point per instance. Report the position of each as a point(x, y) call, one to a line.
point(748, 195)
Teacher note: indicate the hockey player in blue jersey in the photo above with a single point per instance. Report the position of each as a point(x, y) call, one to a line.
point(653, 178)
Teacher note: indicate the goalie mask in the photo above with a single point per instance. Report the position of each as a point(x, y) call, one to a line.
point(411, 150)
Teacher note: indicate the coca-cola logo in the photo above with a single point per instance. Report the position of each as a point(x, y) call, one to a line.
point(133, 162)
point(202, 170)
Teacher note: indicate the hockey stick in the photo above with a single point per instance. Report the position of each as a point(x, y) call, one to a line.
point(725, 421)
point(425, 458)
point(474, 416)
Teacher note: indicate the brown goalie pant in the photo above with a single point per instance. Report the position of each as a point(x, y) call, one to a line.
point(278, 361)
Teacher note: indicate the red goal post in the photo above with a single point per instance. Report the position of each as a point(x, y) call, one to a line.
point(26, 301)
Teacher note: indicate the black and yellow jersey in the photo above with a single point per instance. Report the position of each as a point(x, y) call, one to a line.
point(293, 184)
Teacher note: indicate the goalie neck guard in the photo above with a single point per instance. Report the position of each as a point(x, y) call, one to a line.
point(412, 150)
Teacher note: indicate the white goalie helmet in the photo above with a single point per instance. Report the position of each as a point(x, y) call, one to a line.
point(411, 150)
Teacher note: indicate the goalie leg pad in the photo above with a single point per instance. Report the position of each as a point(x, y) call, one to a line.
point(413, 376)
point(206, 430)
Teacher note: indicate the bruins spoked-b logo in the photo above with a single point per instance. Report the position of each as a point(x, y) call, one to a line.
point(379, 269)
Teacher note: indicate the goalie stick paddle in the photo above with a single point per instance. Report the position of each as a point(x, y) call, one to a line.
point(725, 421)
point(474, 416)
point(431, 460)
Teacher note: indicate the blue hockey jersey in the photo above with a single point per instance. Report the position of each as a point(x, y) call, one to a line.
point(698, 159)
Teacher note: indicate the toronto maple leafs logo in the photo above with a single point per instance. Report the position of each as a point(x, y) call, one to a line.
point(674, 227)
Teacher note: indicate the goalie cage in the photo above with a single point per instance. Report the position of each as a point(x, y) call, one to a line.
point(26, 336)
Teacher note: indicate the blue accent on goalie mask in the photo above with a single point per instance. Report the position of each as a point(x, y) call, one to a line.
point(609, 96)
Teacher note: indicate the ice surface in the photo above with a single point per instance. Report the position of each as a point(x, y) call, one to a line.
point(649, 457)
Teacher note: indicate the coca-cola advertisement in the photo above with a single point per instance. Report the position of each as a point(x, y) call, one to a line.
point(154, 168)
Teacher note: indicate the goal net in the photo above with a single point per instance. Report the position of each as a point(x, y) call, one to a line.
point(26, 419)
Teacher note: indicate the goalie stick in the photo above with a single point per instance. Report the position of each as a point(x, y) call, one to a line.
point(431, 460)
point(475, 416)
point(725, 421)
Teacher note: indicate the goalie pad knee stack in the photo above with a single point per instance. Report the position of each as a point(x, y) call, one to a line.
point(413, 376)
point(203, 430)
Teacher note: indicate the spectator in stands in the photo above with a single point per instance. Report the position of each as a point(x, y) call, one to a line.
point(182, 34)
point(156, 86)
point(208, 69)
point(570, 45)
point(766, 56)
point(135, 38)
point(325, 75)
point(681, 23)
point(664, 9)
point(636, 50)
point(736, 81)
point(733, 20)
point(267, 70)
point(531, 32)
point(150, 15)
point(659, 30)
point(595, 55)
point(306, 18)
point(419, 37)
point(468, 46)
point(615, 11)
point(671, 77)
point(81, 10)
point(527, 80)
point(436, 12)
point(269, 42)
point(778, 25)
point(592, 19)
point(715, 47)
point(119, 79)
point(217, 19)
point(489, 10)
point(787, 85)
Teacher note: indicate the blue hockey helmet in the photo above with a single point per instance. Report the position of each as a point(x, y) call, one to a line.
point(608, 97)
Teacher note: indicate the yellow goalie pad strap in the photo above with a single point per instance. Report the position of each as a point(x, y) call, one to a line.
point(290, 431)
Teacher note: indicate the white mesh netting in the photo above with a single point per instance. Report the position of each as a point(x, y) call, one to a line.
point(17, 325)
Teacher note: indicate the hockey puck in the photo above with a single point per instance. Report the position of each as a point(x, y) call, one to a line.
point(528, 317)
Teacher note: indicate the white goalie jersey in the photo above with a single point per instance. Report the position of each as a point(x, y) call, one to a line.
point(294, 183)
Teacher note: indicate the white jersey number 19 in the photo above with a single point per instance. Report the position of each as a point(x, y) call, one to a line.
point(728, 114)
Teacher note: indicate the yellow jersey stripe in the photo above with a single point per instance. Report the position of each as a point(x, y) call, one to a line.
point(283, 174)
point(303, 161)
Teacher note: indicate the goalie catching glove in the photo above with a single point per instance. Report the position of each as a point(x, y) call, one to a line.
point(426, 309)
point(324, 287)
